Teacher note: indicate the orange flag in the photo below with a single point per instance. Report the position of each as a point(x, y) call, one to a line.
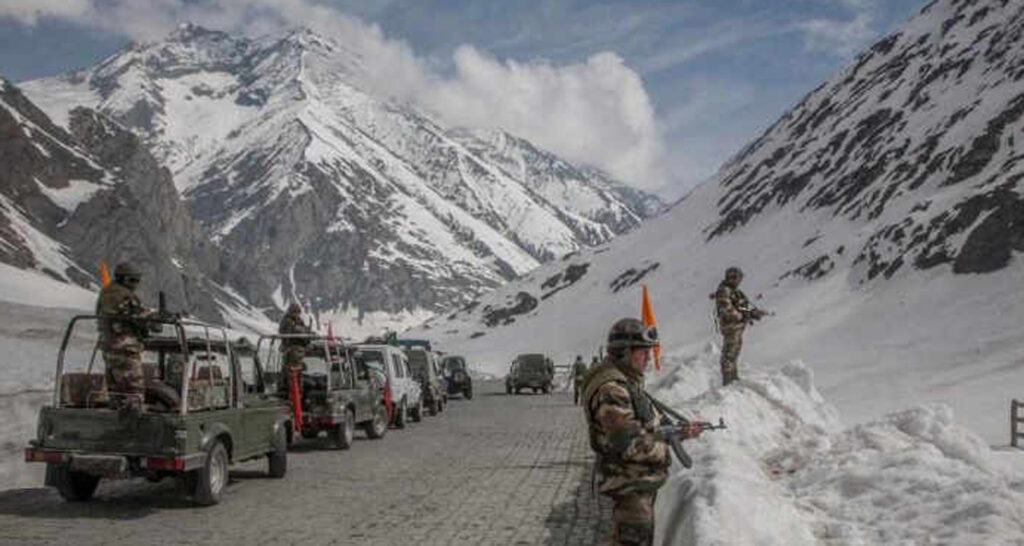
point(647, 315)
point(104, 274)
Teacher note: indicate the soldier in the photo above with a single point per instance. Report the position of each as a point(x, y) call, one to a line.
point(595, 362)
point(579, 371)
point(733, 312)
point(632, 454)
point(293, 350)
point(121, 337)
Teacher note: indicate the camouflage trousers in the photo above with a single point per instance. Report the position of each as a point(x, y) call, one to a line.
point(124, 377)
point(732, 342)
point(632, 520)
point(577, 385)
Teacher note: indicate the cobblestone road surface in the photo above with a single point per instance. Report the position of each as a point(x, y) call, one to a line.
point(497, 470)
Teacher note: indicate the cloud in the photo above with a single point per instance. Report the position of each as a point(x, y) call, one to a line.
point(29, 11)
point(839, 38)
point(596, 112)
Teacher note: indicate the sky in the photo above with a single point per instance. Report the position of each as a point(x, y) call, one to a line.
point(657, 92)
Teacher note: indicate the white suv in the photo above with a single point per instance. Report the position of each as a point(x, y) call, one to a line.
point(406, 395)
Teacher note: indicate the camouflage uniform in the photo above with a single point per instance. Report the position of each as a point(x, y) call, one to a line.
point(121, 342)
point(731, 307)
point(579, 371)
point(293, 351)
point(632, 458)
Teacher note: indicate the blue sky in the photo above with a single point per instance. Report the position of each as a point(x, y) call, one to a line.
point(714, 72)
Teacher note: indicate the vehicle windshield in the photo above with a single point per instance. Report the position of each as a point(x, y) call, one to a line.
point(418, 364)
point(455, 364)
point(533, 363)
point(371, 359)
point(316, 360)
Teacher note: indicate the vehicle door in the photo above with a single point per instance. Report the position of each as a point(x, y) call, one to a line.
point(369, 365)
point(212, 396)
point(261, 409)
point(399, 378)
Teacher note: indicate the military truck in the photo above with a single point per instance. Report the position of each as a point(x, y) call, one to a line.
point(457, 376)
point(426, 369)
point(337, 395)
point(530, 371)
point(203, 409)
point(402, 392)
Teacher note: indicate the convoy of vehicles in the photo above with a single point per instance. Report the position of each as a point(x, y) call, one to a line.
point(210, 402)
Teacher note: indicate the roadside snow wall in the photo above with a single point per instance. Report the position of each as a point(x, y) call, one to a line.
point(786, 473)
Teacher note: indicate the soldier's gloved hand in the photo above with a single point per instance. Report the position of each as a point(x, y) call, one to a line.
point(757, 314)
point(690, 430)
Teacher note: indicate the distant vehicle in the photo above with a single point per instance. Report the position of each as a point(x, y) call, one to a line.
point(337, 395)
point(427, 370)
point(457, 376)
point(402, 389)
point(530, 371)
point(204, 408)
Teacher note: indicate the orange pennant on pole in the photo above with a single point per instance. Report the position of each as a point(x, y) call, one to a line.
point(104, 274)
point(647, 316)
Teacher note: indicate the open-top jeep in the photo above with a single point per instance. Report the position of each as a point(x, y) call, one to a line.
point(204, 408)
point(338, 393)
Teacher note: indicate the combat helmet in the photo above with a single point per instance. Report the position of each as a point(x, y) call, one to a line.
point(733, 272)
point(127, 271)
point(294, 309)
point(628, 333)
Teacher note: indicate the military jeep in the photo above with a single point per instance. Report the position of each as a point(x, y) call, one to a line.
point(203, 408)
point(338, 394)
point(530, 371)
point(457, 375)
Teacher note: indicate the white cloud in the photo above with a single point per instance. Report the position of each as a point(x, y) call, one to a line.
point(596, 112)
point(29, 11)
point(839, 38)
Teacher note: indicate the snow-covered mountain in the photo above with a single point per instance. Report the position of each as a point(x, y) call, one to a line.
point(882, 218)
point(316, 188)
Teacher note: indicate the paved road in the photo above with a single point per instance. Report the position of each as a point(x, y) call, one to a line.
point(497, 470)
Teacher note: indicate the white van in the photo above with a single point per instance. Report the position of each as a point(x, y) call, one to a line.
point(406, 395)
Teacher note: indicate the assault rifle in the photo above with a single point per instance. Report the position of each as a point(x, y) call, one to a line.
point(680, 428)
point(753, 314)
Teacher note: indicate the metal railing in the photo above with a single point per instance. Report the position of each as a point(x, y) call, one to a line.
point(1015, 420)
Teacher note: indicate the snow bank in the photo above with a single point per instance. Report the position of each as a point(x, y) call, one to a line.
point(785, 472)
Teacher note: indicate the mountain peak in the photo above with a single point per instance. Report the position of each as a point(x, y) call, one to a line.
point(188, 31)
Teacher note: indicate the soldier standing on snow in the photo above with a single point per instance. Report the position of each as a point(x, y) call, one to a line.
point(121, 336)
point(733, 313)
point(293, 350)
point(632, 454)
point(579, 371)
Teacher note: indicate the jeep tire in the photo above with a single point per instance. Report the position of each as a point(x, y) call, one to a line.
point(73, 486)
point(402, 415)
point(377, 427)
point(342, 434)
point(207, 484)
point(277, 458)
point(417, 411)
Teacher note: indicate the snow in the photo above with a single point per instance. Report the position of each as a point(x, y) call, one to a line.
point(49, 254)
point(785, 473)
point(69, 198)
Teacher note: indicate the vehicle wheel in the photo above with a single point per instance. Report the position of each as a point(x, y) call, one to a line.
point(534, 391)
point(508, 389)
point(468, 393)
point(402, 415)
point(378, 427)
point(438, 406)
point(208, 482)
point(277, 458)
point(518, 390)
point(342, 434)
point(546, 389)
point(74, 486)
point(417, 411)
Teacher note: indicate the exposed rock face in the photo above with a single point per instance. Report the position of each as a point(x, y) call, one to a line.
point(315, 188)
point(72, 199)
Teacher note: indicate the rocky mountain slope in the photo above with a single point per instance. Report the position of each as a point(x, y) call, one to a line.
point(881, 218)
point(71, 198)
point(315, 188)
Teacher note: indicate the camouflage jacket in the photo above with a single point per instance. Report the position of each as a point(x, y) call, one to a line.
point(579, 369)
point(117, 300)
point(731, 306)
point(623, 432)
point(292, 324)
